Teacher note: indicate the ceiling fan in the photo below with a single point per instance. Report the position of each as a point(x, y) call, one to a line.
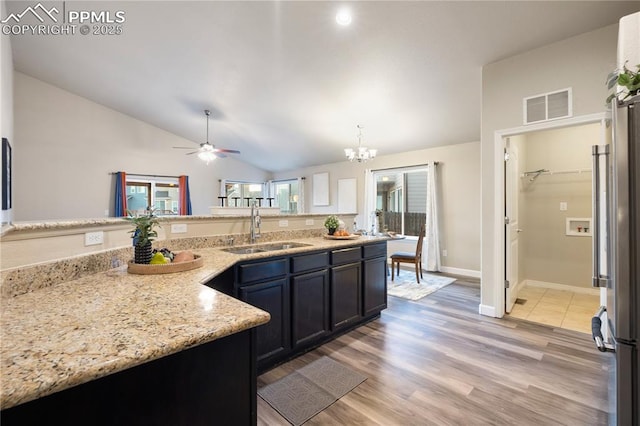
point(208, 152)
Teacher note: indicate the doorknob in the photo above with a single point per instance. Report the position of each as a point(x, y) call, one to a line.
point(519, 230)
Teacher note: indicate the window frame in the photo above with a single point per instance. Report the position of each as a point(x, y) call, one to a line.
point(400, 194)
point(152, 183)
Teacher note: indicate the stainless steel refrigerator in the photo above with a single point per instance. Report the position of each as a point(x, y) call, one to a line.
point(616, 252)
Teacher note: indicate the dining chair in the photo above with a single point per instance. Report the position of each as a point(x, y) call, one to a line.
point(407, 257)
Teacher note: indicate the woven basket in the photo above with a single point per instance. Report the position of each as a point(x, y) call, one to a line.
point(167, 268)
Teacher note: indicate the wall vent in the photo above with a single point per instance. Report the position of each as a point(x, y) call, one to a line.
point(548, 106)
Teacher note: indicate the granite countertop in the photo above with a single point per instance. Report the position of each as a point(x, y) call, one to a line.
point(65, 335)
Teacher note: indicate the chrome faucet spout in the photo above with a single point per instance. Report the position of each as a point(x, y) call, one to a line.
point(255, 223)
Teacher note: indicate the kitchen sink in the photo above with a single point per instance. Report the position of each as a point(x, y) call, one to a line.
point(244, 250)
point(264, 248)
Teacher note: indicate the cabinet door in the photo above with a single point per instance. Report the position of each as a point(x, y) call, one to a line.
point(273, 338)
point(346, 305)
point(374, 286)
point(309, 307)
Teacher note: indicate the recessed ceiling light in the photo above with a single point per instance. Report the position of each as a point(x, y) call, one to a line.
point(343, 17)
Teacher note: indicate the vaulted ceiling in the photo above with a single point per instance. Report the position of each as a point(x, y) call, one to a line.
point(286, 85)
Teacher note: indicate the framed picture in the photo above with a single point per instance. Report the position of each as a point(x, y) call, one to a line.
point(321, 189)
point(6, 174)
point(347, 196)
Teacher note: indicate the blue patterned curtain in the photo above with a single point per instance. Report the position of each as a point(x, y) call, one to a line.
point(121, 194)
point(184, 206)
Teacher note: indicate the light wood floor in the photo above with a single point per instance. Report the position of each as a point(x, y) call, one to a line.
point(438, 362)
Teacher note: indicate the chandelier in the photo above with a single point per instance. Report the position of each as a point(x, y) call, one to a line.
point(362, 153)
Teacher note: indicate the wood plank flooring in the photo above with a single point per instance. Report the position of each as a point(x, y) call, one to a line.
point(438, 362)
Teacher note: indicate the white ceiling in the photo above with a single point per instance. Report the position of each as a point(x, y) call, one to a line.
point(286, 85)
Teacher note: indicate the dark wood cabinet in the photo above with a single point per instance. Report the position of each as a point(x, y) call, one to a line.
point(273, 338)
point(374, 285)
point(311, 296)
point(309, 307)
point(212, 383)
point(346, 290)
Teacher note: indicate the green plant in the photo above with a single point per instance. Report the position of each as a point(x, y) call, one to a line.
point(332, 222)
point(626, 78)
point(143, 231)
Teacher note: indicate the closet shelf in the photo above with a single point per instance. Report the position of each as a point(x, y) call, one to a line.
point(537, 173)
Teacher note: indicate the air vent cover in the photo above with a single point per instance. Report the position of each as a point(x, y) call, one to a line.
point(548, 106)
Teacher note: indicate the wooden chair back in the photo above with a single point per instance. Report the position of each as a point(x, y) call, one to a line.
point(420, 242)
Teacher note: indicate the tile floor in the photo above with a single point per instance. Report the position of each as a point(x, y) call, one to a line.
point(558, 308)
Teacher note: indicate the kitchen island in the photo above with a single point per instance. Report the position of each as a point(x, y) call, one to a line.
point(102, 340)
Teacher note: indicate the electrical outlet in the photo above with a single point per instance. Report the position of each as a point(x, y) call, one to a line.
point(563, 206)
point(308, 222)
point(283, 223)
point(178, 228)
point(93, 238)
point(106, 213)
point(444, 253)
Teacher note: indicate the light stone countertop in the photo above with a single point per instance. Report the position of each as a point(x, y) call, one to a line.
point(68, 334)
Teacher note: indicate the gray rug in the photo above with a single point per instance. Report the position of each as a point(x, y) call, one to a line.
point(310, 389)
point(406, 287)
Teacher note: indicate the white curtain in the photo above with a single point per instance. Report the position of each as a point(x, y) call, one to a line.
point(431, 248)
point(223, 188)
point(368, 213)
point(300, 195)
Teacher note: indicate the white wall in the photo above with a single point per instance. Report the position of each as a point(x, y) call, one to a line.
point(68, 145)
point(6, 98)
point(549, 254)
point(459, 180)
point(580, 62)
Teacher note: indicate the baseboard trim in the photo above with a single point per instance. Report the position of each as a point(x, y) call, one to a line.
point(459, 271)
point(563, 287)
point(487, 310)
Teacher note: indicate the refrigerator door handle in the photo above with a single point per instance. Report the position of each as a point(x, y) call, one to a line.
point(598, 279)
point(596, 333)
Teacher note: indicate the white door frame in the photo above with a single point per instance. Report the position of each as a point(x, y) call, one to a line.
point(498, 190)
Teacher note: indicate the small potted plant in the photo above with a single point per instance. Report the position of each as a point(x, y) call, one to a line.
point(626, 78)
point(143, 234)
point(331, 223)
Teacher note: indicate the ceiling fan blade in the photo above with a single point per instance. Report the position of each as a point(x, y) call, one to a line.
point(229, 151)
point(191, 153)
point(219, 155)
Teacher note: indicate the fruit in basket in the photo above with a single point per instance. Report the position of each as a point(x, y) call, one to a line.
point(158, 259)
point(341, 233)
point(183, 256)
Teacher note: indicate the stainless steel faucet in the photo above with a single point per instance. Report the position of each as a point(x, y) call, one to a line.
point(255, 222)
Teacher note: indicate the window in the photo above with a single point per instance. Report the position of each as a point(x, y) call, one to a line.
point(161, 193)
point(286, 195)
point(401, 199)
point(236, 192)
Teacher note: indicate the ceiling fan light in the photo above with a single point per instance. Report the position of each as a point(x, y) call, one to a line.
point(206, 156)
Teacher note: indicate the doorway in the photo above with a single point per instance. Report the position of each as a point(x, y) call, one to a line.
point(546, 239)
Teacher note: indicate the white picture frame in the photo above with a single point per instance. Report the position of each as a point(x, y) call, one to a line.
point(347, 196)
point(321, 189)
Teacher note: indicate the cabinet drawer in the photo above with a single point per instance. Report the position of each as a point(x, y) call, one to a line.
point(347, 255)
point(309, 262)
point(375, 250)
point(261, 271)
